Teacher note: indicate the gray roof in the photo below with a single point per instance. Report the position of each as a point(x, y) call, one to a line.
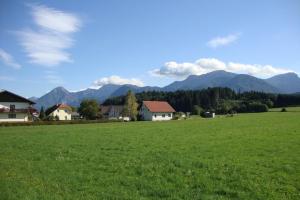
point(7, 96)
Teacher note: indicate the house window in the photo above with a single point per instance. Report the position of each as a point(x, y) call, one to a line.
point(12, 116)
point(57, 110)
point(12, 107)
point(155, 115)
point(169, 115)
point(163, 115)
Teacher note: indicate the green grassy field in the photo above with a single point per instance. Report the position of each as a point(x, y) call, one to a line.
point(249, 156)
point(289, 109)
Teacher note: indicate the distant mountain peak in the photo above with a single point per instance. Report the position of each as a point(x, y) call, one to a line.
point(286, 75)
point(60, 88)
point(286, 83)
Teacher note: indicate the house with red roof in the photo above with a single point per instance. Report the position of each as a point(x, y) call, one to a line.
point(156, 111)
point(59, 111)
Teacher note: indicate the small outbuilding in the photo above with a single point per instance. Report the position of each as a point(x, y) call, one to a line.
point(156, 111)
point(209, 115)
point(112, 111)
point(75, 116)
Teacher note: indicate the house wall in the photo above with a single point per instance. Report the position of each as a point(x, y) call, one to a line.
point(146, 114)
point(158, 116)
point(62, 114)
point(20, 117)
point(18, 105)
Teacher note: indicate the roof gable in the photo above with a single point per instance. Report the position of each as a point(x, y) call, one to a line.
point(6, 96)
point(158, 106)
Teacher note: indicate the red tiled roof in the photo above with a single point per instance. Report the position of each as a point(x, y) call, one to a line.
point(64, 106)
point(158, 106)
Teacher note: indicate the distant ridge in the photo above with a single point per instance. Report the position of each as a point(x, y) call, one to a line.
point(284, 83)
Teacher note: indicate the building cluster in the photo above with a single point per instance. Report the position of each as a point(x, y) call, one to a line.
point(14, 108)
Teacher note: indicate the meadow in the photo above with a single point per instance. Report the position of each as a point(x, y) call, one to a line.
point(248, 156)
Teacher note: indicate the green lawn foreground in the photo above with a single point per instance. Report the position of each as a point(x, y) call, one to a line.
point(249, 156)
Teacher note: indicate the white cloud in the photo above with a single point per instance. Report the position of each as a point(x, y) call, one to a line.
point(211, 64)
point(174, 69)
point(55, 20)
point(223, 41)
point(256, 70)
point(48, 44)
point(8, 60)
point(182, 70)
point(205, 65)
point(116, 80)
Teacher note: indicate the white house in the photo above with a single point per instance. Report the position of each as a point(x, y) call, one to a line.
point(14, 108)
point(156, 111)
point(59, 111)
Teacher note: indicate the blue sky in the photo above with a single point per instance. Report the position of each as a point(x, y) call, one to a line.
point(81, 44)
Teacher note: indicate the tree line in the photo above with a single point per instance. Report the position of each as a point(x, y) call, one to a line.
point(219, 100)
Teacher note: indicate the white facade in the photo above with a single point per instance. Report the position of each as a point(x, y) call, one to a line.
point(154, 116)
point(62, 114)
point(16, 116)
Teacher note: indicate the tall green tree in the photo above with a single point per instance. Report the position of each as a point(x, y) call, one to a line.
point(89, 109)
point(197, 110)
point(130, 107)
point(42, 115)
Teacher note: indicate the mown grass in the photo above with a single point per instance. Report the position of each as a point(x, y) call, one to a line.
point(288, 109)
point(249, 156)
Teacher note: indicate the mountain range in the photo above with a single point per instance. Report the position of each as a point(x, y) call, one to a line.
point(284, 83)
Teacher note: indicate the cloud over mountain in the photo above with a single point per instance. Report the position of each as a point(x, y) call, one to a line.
point(205, 65)
point(116, 80)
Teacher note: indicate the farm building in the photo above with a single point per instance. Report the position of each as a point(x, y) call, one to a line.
point(112, 111)
point(59, 111)
point(156, 111)
point(209, 115)
point(75, 116)
point(14, 108)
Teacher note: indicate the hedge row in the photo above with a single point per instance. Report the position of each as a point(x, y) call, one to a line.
point(37, 123)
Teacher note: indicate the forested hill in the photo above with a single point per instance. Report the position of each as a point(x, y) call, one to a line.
point(221, 100)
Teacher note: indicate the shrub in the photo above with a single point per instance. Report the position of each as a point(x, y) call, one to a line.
point(269, 103)
point(89, 109)
point(50, 118)
point(283, 110)
point(197, 110)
